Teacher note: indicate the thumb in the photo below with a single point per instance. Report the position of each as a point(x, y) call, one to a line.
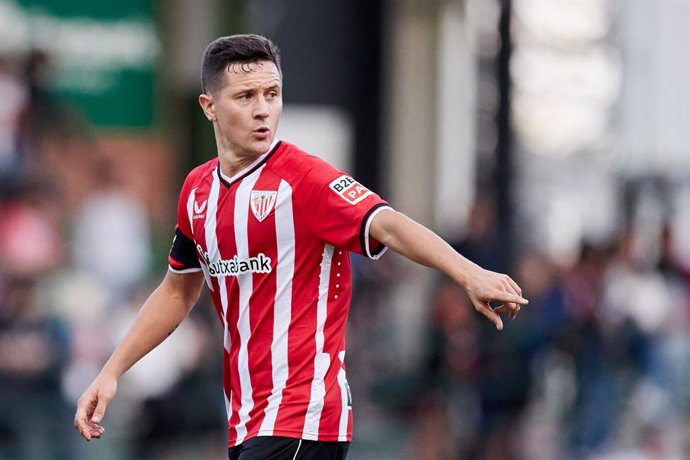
point(99, 412)
point(490, 314)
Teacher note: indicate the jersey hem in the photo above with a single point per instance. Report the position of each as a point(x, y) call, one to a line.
point(296, 435)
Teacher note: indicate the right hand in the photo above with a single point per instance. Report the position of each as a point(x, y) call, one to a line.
point(91, 407)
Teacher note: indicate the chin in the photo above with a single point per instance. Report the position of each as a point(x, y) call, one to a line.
point(264, 145)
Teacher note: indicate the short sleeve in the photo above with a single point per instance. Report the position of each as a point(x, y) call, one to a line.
point(339, 209)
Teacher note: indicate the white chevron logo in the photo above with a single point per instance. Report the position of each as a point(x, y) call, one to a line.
point(199, 209)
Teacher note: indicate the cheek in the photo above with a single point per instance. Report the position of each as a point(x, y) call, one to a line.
point(277, 110)
point(230, 115)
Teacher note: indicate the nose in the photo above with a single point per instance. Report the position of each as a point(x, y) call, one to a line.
point(261, 108)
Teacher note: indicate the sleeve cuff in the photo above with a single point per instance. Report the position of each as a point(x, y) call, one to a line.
point(184, 270)
point(379, 249)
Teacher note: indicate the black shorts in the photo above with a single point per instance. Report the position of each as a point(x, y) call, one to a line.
point(279, 448)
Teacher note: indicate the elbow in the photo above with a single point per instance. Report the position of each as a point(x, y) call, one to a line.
point(182, 291)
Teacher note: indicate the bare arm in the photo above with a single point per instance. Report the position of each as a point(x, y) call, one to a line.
point(160, 315)
point(421, 245)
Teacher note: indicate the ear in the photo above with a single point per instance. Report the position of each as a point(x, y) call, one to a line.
point(208, 106)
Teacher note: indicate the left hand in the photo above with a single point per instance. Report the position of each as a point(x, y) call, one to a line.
point(484, 286)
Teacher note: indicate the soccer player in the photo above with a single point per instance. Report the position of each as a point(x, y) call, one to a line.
point(269, 228)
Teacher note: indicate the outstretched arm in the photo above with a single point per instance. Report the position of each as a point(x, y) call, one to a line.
point(162, 312)
point(421, 245)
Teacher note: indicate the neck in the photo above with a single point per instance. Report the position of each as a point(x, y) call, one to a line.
point(232, 161)
point(232, 164)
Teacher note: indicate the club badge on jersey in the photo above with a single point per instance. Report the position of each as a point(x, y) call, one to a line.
point(262, 202)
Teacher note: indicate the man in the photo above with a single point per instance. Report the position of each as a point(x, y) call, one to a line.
point(269, 228)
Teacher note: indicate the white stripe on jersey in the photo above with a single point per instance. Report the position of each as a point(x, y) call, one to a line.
point(321, 360)
point(344, 398)
point(245, 285)
point(228, 404)
point(214, 253)
point(282, 309)
point(190, 208)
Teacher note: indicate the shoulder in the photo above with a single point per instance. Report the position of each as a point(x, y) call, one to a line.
point(295, 165)
point(199, 174)
point(202, 170)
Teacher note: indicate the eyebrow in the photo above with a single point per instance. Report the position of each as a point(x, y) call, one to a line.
point(244, 89)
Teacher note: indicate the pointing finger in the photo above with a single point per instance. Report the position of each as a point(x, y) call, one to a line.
point(507, 297)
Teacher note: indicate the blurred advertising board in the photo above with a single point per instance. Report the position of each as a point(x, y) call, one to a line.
point(102, 55)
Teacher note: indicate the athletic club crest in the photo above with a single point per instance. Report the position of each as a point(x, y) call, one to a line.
point(262, 202)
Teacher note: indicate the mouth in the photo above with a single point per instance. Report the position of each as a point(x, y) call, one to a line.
point(262, 131)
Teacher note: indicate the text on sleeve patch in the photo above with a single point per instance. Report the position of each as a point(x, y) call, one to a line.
point(349, 189)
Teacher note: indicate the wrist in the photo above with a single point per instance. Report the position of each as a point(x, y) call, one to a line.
point(110, 372)
point(467, 274)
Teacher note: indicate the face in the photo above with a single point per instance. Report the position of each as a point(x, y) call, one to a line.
point(245, 110)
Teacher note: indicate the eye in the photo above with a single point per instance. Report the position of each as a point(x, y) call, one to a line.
point(245, 96)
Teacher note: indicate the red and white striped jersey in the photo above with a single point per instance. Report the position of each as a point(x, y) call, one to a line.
point(273, 243)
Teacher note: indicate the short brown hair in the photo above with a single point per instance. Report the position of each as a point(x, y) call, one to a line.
point(224, 51)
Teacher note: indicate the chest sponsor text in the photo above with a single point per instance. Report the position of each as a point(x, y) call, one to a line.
point(260, 263)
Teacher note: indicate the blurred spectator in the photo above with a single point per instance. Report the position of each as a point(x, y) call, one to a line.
point(597, 364)
point(481, 242)
point(595, 353)
point(676, 347)
point(181, 402)
point(448, 407)
point(551, 386)
point(13, 97)
point(111, 234)
point(30, 244)
point(33, 352)
point(41, 116)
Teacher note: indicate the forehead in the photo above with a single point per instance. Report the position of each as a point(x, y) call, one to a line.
point(251, 74)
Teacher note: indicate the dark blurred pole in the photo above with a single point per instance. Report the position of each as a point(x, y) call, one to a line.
point(503, 170)
point(332, 57)
point(365, 105)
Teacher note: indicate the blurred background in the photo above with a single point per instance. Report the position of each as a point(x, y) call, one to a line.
point(546, 138)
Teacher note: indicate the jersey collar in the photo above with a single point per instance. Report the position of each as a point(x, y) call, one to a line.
point(228, 181)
